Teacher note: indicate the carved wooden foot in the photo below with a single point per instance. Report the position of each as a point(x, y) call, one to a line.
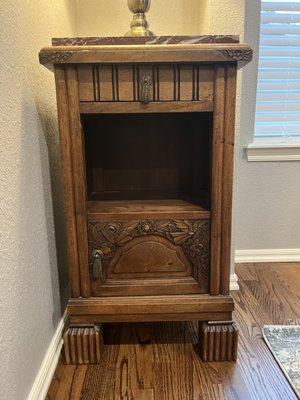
point(83, 345)
point(218, 341)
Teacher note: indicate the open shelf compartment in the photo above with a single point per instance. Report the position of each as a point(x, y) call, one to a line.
point(148, 164)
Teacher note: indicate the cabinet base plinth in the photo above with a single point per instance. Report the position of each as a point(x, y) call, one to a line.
point(218, 341)
point(83, 344)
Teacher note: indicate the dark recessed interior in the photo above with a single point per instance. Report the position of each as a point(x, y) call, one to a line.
point(148, 156)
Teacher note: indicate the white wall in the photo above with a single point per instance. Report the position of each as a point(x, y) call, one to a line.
point(112, 18)
point(29, 283)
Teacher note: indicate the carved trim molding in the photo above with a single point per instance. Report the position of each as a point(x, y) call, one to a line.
point(178, 82)
point(237, 55)
point(55, 57)
point(190, 53)
point(218, 341)
point(192, 235)
point(83, 345)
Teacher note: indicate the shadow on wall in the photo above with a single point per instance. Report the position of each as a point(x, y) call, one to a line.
point(32, 279)
point(54, 203)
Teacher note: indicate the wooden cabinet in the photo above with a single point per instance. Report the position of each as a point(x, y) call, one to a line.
point(147, 135)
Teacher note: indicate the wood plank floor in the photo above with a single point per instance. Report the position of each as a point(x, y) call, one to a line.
point(158, 361)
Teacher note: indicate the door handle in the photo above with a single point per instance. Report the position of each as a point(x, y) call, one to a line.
point(98, 272)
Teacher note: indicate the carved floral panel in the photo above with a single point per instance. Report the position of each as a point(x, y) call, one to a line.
point(193, 236)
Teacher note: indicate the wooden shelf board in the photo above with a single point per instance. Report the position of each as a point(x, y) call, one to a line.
point(168, 208)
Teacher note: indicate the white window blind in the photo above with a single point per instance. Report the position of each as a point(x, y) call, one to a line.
point(278, 91)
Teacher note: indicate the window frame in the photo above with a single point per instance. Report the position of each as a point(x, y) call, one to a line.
point(273, 148)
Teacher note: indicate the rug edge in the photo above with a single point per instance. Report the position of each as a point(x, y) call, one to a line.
point(285, 373)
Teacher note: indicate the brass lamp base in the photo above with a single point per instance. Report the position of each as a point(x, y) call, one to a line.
point(139, 25)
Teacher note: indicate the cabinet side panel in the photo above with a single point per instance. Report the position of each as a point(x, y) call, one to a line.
point(79, 177)
point(67, 178)
point(228, 157)
point(217, 170)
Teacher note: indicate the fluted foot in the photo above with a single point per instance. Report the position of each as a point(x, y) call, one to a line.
point(218, 341)
point(83, 345)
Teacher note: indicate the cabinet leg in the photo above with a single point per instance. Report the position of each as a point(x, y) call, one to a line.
point(83, 344)
point(218, 341)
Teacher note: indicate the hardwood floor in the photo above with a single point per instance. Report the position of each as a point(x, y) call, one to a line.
point(158, 361)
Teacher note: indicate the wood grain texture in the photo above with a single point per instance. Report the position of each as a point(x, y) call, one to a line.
point(163, 53)
point(83, 345)
point(164, 315)
point(122, 83)
point(228, 159)
point(153, 209)
point(143, 249)
point(152, 107)
point(153, 308)
point(218, 341)
point(217, 179)
point(79, 177)
point(67, 178)
point(158, 361)
point(148, 156)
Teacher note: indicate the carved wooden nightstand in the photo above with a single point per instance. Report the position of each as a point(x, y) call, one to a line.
point(147, 134)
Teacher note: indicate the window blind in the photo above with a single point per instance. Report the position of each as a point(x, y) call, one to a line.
point(278, 90)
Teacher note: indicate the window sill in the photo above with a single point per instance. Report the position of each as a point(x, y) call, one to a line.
point(274, 149)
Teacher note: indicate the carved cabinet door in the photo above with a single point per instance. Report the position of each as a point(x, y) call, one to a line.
point(149, 257)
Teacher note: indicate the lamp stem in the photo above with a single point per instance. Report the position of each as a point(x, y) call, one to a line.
point(139, 24)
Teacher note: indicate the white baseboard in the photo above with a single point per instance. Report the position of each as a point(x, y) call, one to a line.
point(267, 255)
point(43, 379)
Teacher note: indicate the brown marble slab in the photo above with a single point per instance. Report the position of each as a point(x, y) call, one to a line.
point(152, 40)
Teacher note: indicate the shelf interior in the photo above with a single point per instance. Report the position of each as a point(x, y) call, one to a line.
point(148, 163)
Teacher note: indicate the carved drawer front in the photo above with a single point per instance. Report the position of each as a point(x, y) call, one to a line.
point(145, 83)
point(144, 257)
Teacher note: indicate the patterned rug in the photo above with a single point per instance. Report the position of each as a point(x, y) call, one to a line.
point(284, 343)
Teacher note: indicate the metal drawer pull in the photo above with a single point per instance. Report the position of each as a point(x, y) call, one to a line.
point(146, 83)
point(98, 272)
